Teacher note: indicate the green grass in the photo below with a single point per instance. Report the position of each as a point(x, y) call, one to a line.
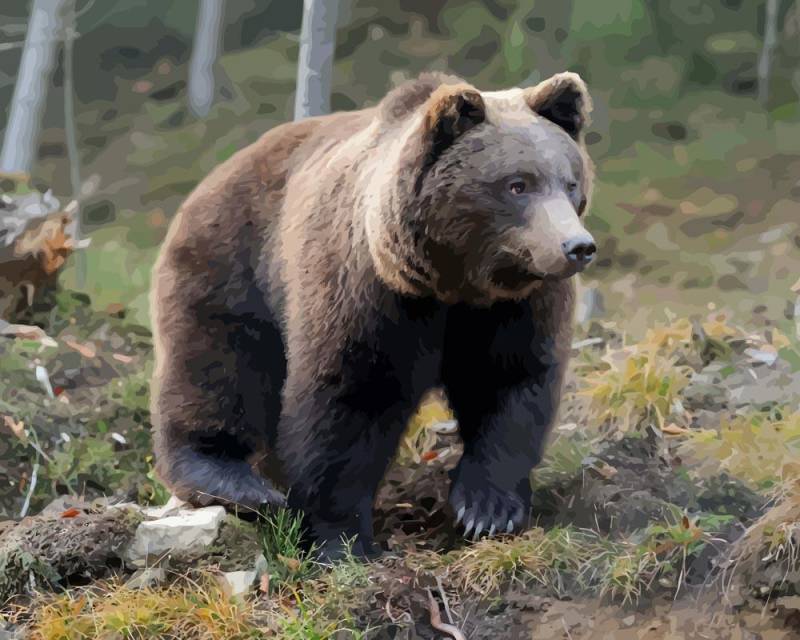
point(280, 535)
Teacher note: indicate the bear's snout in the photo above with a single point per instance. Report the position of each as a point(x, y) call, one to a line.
point(579, 250)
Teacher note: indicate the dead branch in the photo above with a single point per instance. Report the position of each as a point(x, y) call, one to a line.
point(436, 620)
point(35, 241)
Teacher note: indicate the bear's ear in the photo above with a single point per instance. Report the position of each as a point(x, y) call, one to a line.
point(564, 100)
point(451, 111)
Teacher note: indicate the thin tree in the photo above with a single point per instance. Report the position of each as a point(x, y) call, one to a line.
point(71, 136)
point(315, 65)
point(205, 51)
point(767, 50)
point(21, 141)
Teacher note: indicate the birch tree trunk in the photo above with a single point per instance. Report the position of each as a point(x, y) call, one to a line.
point(21, 139)
point(71, 136)
point(315, 65)
point(770, 40)
point(205, 51)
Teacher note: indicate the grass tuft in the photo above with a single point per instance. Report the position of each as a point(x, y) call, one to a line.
point(197, 610)
point(280, 534)
point(769, 550)
point(634, 385)
point(755, 447)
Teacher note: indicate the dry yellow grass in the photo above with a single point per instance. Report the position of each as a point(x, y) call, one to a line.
point(418, 437)
point(756, 447)
point(199, 610)
point(564, 559)
point(774, 539)
point(195, 610)
point(634, 385)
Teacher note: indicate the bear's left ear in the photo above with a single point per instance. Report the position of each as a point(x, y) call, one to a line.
point(564, 100)
point(451, 111)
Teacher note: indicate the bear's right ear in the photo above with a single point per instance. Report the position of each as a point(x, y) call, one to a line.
point(451, 111)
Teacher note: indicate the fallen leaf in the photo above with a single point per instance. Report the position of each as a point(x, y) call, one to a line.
point(263, 583)
point(430, 455)
point(17, 428)
point(142, 86)
point(116, 309)
point(86, 350)
point(121, 357)
point(606, 470)
point(70, 513)
point(293, 564)
point(673, 429)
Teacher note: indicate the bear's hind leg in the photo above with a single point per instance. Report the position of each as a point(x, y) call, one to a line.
point(216, 398)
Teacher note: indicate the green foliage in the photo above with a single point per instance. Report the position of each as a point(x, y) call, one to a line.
point(280, 535)
point(88, 459)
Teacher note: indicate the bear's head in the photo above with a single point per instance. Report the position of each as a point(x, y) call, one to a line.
point(479, 196)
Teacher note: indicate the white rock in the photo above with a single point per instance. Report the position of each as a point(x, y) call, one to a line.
point(239, 582)
point(761, 356)
point(172, 507)
point(188, 530)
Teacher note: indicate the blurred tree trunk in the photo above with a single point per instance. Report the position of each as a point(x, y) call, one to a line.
point(205, 50)
point(71, 136)
point(21, 140)
point(315, 65)
point(770, 40)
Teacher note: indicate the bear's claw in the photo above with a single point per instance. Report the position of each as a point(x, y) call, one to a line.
point(484, 509)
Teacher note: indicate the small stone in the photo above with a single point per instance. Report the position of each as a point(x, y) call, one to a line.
point(629, 621)
point(262, 566)
point(187, 531)
point(239, 582)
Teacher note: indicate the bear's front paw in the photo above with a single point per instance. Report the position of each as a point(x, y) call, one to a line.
point(483, 507)
point(331, 551)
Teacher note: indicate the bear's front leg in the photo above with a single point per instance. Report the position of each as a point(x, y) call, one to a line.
point(335, 442)
point(503, 375)
point(504, 433)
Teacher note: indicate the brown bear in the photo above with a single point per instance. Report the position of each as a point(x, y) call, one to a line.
point(313, 287)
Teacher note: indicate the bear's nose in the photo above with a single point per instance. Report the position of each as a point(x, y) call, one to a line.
point(579, 250)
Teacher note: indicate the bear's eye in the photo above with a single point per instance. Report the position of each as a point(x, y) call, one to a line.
point(517, 186)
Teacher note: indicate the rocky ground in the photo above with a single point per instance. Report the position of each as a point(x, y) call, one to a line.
point(667, 506)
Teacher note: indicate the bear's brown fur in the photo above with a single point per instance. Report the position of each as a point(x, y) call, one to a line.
point(317, 284)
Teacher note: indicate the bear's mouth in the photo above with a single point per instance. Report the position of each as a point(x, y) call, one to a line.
point(513, 277)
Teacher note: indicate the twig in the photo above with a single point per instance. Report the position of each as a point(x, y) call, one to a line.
point(444, 599)
point(566, 629)
point(31, 487)
point(388, 609)
point(436, 620)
